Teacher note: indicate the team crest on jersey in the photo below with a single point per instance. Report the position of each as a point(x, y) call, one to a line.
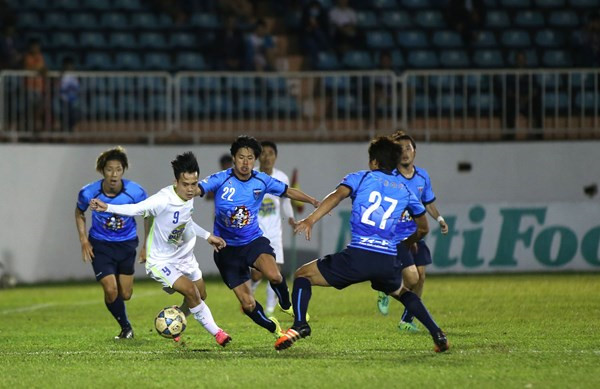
point(405, 218)
point(239, 217)
point(176, 236)
point(420, 189)
point(257, 193)
point(114, 223)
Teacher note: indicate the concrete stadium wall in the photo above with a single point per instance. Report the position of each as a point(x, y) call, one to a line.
point(526, 199)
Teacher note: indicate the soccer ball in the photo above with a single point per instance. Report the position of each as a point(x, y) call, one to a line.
point(170, 322)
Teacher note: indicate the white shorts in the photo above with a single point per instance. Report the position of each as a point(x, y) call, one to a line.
point(168, 272)
point(277, 245)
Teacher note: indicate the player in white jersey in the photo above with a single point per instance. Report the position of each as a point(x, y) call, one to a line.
point(170, 248)
point(269, 217)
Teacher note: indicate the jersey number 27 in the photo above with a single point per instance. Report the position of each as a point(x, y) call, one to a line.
point(375, 199)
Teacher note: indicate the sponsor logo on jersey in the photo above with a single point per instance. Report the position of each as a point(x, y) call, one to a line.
point(114, 223)
point(176, 236)
point(239, 217)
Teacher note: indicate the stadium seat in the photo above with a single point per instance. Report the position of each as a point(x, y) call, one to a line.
point(488, 58)
point(83, 21)
point(28, 20)
point(516, 38)
point(479, 82)
point(122, 40)
point(396, 19)
point(39, 5)
point(416, 4)
point(114, 21)
point(378, 40)
point(327, 61)
point(182, 40)
point(485, 39)
point(421, 103)
point(583, 81)
point(397, 60)
point(412, 39)
point(337, 83)
point(284, 105)
point(557, 58)
point(153, 84)
point(253, 105)
point(144, 20)
point(587, 101)
point(102, 106)
point(240, 84)
point(219, 105)
point(276, 85)
point(454, 59)
point(55, 20)
point(356, 59)
point(443, 82)
point(68, 54)
point(96, 5)
point(127, 61)
point(549, 81)
point(549, 38)
point(153, 40)
point(128, 106)
point(591, 4)
point(94, 40)
point(384, 4)
point(190, 61)
point(423, 59)
point(482, 103)
point(192, 105)
point(63, 40)
point(563, 19)
point(205, 21)
point(515, 3)
point(497, 19)
point(530, 55)
point(366, 19)
point(128, 5)
point(449, 102)
point(550, 3)
point(98, 61)
point(529, 19)
point(430, 19)
point(66, 5)
point(555, 101)
point(447, 39)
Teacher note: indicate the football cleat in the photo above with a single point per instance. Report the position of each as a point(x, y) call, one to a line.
point(278, 331)
point(383, 303)
point(126, 333)
point(222, 338)
point(441, 342)
point(291, 336)
point(177, 339)
point(407, 326)
point(290, 311)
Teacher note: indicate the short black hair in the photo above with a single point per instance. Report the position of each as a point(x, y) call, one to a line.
point(385, 151)
point(246, 141)
point(401, 135)
point(268, 143)
point(185, 163)
point(114, 154)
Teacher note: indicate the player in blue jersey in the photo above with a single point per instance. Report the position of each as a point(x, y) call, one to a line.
point(379, 198)
point(112, 239)
point(239, 192)
point(415, 260)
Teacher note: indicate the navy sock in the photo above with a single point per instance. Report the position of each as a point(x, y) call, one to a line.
point(301, 296)
point(407, 317)
point(258, 316)
point(414, 305)
point(117, 308)
point(282, 292)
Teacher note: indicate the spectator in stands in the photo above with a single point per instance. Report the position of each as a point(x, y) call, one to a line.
point(588, 39)
point(466, 17)
point(35, 86)
point(522, 96)
point(10, 55)
point(261, 48)
point(343, 21)
point(314, 31)
point(229, 47)
point(69, 96)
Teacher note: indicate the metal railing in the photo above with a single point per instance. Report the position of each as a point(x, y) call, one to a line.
point(299, 106)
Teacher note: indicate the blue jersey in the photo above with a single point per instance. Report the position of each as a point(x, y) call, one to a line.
point(379, 199)
point(237, 203)
point(108, 226)
point(420, 185)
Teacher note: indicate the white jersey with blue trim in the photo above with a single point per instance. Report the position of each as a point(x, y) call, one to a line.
point(237, 203)
point(420, 185)
point(379, 198)
point(269, 215)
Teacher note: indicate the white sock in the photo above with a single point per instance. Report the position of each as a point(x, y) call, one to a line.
point(271, 298)
point(254, 285)
point(203, 315)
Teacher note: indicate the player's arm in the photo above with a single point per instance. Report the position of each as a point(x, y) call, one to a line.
point(87, 252)
point(216, 241)
point(298, 195)
point(422, 230)
point(329, 202)
point(434, 213)
point(288, 211)
point(152, 205)
point(148, 220)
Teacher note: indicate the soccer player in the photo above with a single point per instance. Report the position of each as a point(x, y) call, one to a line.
point(171, 241)
point(269, 217)
point(112, 239)
point(379, 198)
point(239, 192)
point(414, 262)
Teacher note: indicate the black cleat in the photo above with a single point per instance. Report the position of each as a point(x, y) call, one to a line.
point(441, 342)
point(126, 333)
point(291, 336)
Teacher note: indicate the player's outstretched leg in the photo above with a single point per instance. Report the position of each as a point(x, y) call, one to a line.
point(383, 303)
point(258, 316)
point(117, 309)
point(415, 306)
point(406, 322)
point(300, 296)
point(204, 316)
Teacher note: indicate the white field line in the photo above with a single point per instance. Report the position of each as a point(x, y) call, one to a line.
point(36, 307)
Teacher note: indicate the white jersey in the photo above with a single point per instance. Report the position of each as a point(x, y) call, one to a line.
point(269, 216)
point(173, 233)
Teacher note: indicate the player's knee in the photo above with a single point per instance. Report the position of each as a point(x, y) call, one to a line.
point(126, 294)
point(203, 295)
point(110, 293)
point(248, 306)
point(276, 278)
point(411, 280)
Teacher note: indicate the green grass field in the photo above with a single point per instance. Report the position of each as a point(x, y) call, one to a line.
point(522, 331)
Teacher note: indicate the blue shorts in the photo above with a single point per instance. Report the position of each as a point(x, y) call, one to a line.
point(353, 265)
point(407, 257)
point(113, 257)
point(234, 262)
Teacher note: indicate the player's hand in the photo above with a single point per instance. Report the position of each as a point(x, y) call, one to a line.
point(98, 205)
point(87, 251)
point(291, 221)
point(142, 258)
point(217, 242)
point(197, 191)
point(315, 203)
point(443, 227)
point(304, 226)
